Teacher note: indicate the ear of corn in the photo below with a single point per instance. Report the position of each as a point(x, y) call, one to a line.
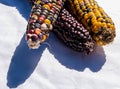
point(43, 15)
point(94, 18)
point(73, 33)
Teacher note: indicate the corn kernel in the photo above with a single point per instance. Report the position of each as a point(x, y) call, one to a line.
point(46, 6)
point(47, 21)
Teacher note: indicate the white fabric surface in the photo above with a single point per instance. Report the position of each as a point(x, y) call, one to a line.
point(54, 66)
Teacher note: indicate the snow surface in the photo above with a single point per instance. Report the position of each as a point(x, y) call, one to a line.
point(54, 66)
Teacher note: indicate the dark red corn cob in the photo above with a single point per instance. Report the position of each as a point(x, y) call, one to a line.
point(73, 33)
point(43, 15)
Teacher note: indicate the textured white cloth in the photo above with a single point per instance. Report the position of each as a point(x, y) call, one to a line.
point(54, 66)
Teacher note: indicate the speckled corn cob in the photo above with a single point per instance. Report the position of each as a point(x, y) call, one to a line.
point(43, 15)
point(94, 18)
point(73, 33)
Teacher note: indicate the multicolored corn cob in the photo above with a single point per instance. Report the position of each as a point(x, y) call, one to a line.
point(43, 15)
point(95, 19)
point(73, 33)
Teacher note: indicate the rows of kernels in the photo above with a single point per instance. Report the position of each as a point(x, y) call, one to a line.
point(43, 15)
point(95, 19)
point(73, 33)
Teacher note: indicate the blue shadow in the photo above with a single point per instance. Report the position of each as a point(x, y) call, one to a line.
point(23, 63)
point(76, 60)
point(24, 60)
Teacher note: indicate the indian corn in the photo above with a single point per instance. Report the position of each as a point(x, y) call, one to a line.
point(94, 18)
point(73, 33)
point(43, 15)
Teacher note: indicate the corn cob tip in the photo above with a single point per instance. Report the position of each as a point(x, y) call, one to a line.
point(89, 47)
point(34, 41)
point(104, 36)
point(32, 44)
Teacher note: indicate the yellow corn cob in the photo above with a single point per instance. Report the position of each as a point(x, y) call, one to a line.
point(95, 19)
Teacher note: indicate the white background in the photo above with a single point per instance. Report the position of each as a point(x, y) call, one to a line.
point(54, 66)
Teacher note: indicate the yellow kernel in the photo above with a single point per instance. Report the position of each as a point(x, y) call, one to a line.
point(104, 25)
point(108, 24)
point(46, 6)
point(91, 13)
point(90, 6)
point(75, 2)
point(93, 20)
point(100, 43)
point(86, 16)
point(44, 38)
point(47, 21)
point(95, 6)
point(38, 1)
point(100, 9)
point(77, 7)
point(112, 27)
point(99, 24)
point(35, 17)
point(100, 19)
point(95, 29)
point(83, 8)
